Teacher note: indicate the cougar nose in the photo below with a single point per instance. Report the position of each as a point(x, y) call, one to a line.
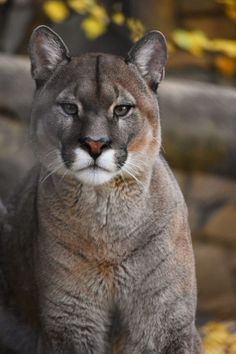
point(95, 147)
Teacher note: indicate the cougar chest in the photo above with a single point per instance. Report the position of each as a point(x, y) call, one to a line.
point(87, 239)
point(89, 265)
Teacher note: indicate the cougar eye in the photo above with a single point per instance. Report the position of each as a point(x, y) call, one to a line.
point(69, 108)
point(122, 110)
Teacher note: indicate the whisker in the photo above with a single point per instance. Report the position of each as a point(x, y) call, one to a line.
point(123, 177)
point(137, 166)
point(53, 151)
point(155, 138)
point(57, 168)
point(53, 164)
point(141, 154)
point(63, 176)
point(134, 177)
point(163, 149)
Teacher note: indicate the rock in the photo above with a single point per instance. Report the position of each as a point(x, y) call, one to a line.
point(17, 21)
point(211, 189)
point(204, 194)
point(14, 141)
point(15, 155)
point(3, 210)
point(16, 86)
point(199, 124)
point(195, 218)
point(182, 179)
point(216, 287)
point(221, 226)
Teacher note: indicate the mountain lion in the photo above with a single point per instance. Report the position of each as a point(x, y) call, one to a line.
point(96, 254)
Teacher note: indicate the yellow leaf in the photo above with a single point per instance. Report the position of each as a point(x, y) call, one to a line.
point(81, 6)
point(231, 12)
point(227, 2)
point(99, 12)
point(194, 41)
point(56, 10)
point(226, 66)
point(226, 46)
point(93, 27)
point(230, 8)
point(218, 339)
point(118, 18)
point(136, 29)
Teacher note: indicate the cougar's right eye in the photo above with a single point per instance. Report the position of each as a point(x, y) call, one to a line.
point(69, 108)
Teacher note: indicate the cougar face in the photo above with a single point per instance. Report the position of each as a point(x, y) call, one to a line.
point(95, 116)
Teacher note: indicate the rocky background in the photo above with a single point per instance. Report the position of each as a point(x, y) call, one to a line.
point(199, 141)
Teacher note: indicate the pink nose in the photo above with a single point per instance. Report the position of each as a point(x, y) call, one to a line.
point(95, 147)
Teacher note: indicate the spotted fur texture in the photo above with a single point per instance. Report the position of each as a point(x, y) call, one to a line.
point(96, 253)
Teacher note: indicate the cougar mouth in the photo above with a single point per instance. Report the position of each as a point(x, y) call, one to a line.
point(93, 167)
point(94, 171)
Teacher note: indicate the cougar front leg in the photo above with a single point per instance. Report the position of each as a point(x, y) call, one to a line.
point(184, 344)
point(74, 329)
point(160, 326)
point(188, 342)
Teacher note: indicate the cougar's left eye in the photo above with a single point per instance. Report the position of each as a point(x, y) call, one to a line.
point(122, 110)
point(69, 108)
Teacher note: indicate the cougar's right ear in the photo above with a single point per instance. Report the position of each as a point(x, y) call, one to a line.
point(47, 50)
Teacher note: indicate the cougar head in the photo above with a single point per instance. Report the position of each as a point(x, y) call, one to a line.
point(96, 116)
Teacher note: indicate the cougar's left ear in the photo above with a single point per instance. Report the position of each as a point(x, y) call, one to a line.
point(149, 54)
point(47, 50)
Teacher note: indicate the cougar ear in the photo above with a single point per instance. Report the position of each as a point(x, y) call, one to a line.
point(149, 54)
point(47, 50)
